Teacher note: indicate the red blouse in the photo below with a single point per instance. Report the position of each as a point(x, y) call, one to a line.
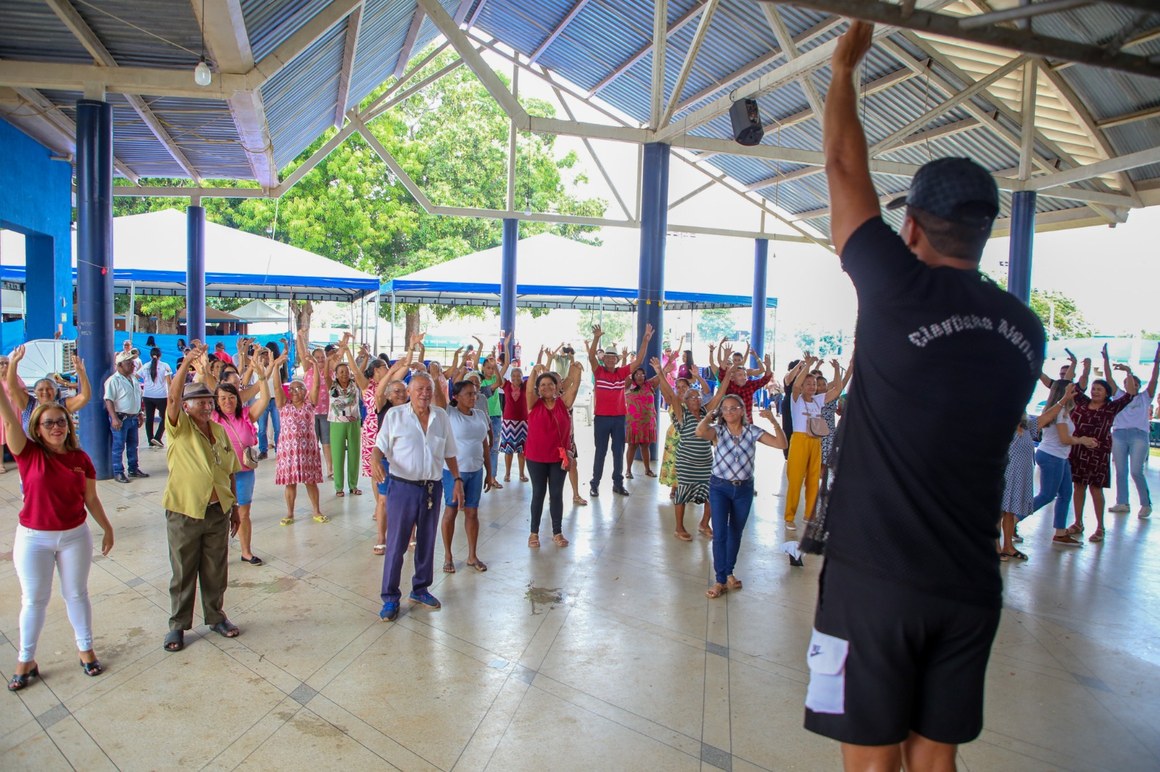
point(549, 432)
point(54, 487)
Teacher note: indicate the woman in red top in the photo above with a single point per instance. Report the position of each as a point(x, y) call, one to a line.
point(546, 449)
point(59, 485)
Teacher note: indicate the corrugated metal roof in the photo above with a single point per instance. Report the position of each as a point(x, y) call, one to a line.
point(302, 97)
point(32, 32)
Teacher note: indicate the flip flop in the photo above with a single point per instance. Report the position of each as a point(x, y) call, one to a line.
point(478, 565)
point(716, 591)
point(580, 502)
point(733, 583)
point(286, 521)
point(379, 549)
point(705, 531)
point(355, 492)
point(449, 567)
point(683, 535)
point(339, 494)
point(321, 519)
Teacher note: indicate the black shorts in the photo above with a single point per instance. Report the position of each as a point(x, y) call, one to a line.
point(887, 660)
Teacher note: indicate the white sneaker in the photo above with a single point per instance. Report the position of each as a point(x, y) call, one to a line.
point(1119, 508)
point(1145, 513)
point(790, 526)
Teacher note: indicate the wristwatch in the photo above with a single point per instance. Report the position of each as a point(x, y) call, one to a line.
point(458, 479)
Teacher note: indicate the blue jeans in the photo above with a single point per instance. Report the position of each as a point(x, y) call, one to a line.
point(1129, 450)
point(606, 428)
point(125, 443)
point(1054, 485)
point(271, 414)
point(496, 428)
point(730, 505)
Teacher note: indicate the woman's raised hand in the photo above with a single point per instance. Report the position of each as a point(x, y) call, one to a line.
point(16, 356)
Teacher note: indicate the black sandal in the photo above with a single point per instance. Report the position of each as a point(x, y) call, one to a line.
point(94, 668)
point(226, 629)
point(20, 680)
point(174, 641)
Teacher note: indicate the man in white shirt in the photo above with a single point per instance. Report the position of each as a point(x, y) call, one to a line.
point(1130, 433)
point(416, 441)
point(123, 404)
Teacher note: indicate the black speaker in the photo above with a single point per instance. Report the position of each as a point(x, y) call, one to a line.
point(746, 122)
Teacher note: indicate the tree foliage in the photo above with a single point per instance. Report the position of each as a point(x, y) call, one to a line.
point(1066, 322)
point(451, 138)
point(713, 324)
point(615, 325)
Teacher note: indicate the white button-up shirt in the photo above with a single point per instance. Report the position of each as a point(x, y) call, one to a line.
point(412, 453)
point(124, 393)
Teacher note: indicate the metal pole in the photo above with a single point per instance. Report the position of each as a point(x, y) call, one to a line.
point(760, 272)
point(392, 322)
point(654, 218)
point(1022, 236)
point(94, 174)
point(130, 317)
point(375, 317)
point(507, 283)
point(195, 273)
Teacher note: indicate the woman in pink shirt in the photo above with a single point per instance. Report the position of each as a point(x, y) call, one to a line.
point(60, 484)
point(546, 449)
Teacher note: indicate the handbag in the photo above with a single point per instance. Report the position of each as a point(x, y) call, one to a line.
point(249, 457)
point(816, 426)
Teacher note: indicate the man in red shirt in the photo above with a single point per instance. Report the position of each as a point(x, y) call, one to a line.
point(744, 387)
point(608, 407)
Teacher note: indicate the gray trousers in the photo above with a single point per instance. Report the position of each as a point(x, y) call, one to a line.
point(198, 553)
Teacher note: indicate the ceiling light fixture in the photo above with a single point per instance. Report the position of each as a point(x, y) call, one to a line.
point(202, 75)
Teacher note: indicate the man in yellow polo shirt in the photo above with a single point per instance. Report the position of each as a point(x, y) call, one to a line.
point(201, 510)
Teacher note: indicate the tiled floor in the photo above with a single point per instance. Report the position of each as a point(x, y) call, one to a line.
point(603, 655)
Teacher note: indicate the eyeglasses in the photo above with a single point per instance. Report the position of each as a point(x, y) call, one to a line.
point(731, 409)
point(54, 423)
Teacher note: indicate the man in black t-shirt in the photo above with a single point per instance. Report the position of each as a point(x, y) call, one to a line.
point(910, 592)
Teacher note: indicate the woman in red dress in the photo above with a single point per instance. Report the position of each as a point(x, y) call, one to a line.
point(641, 429)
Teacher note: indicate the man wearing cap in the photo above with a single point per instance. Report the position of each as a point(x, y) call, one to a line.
point(123, 404)
point(201, 511)
point(608, 408)
point(910, 593)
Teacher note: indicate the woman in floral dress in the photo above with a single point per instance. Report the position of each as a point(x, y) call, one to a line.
point(298, 459)
point(641, 429)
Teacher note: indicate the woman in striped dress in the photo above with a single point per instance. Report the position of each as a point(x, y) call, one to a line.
point(692, 459)
point(514, 429)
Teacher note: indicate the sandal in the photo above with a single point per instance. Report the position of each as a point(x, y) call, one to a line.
point(174, 641)
point(1004, 557)
point(507, 478)
point(1075, 528)
point(20, 680)
point(716, 591)
point(649, 473)
point(339, 494)
point(628, 475)
point(559, 540)
point(379, 549)
point(523, 478)
point(286, 521)
point(705, 531)
point(478, 565)
point(534, 541)
point(579, 501)
point(1070, 541)
point(683, 535)
point(1017, 555)
point(497, 486)
point(733, 583)
point(321, 518)
point(94, 668)
point(226, 629)
point(449, 567)
point(355, 492)
point(1097, 535)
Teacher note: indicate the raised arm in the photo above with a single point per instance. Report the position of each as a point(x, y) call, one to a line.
point(777, 438)
point(667, 390)
point(439, 394)
point(837, 384)
point(359, 378)
point(722, 389)
point(263, 400)
point(1130, 386)
point(642, 349)
point(13, 431)
point(1155, 372)
point(531, 393)
point(85, 389)
point(803, 372)
point(1108, 371)
point(177, 385)
point(1084, 375)
point(853, 200)
point(597, 332)
point(315, 391)
point(16, 390)
point(571, 384)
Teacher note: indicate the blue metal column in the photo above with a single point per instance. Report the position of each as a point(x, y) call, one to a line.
point(94, 172)
point(1022, 236)
point(760, 272)
point(195, 273)
point(48, 288)
point(507, 283)
point(654, 221)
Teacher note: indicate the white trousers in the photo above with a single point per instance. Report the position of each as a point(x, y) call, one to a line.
point(35, 554)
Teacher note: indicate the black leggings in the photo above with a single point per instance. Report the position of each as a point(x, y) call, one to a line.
point(547, 478)
point(155, 405)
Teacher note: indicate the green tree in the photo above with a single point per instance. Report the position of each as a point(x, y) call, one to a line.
point(1065, 320)
point(713, 324)
point(615, 324)
point(451, 139)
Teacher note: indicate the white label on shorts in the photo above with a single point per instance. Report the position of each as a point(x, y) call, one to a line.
point(826, 658)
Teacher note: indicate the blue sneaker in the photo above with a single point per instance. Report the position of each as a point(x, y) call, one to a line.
point(390, 611)
point(426, 598)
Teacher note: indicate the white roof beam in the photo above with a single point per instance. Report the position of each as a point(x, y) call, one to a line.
point(556, 31)
point(690, 57)
point(310, 32)
point(409, 42)
point(82, 32)
point(482, 70)
point(229, 46)
point(1098, 169)
point(1126, 118)
point(781, 32)
point(644, 50)
point(660, 49)
point(349, 49)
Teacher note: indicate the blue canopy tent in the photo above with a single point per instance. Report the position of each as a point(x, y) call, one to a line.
point(555, 272)
point(150, 253)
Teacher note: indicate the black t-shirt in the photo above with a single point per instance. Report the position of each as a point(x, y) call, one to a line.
point(946, 362)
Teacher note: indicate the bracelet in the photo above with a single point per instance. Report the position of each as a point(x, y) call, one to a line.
point(458, 479)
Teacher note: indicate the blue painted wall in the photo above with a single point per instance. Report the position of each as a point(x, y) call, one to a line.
point(36, 200)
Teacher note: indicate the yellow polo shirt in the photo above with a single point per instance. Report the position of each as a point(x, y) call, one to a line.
point(197, 467)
